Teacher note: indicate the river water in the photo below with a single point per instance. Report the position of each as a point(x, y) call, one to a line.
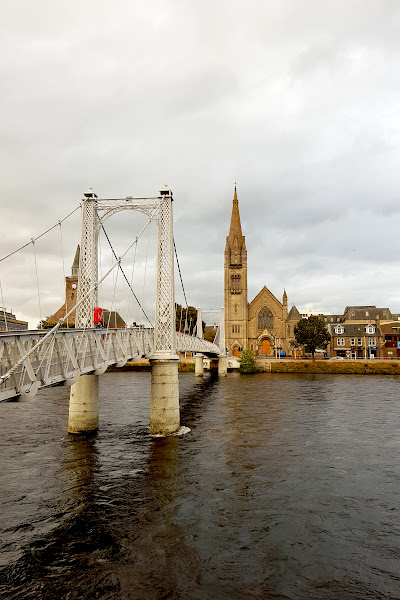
point(286, 486)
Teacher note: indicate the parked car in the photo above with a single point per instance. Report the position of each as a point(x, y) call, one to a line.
point(337, 358)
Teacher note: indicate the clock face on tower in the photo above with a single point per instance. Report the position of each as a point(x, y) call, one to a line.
point(74, 286)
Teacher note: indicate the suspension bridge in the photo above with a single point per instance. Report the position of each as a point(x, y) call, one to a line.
point(31, 360)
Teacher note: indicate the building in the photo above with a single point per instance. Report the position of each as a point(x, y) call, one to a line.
point(112, 320)
point(9, 322)
point(263, 325)
point(359, 332)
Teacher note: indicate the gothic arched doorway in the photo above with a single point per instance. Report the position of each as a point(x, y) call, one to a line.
point(236, 351)
point(265, 346)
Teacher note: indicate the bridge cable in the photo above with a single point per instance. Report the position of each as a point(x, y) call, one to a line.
point(184, 293)
point(63, 266)
point(39, 236)
point(123, 273)
point(4, 308)
point(37, 280)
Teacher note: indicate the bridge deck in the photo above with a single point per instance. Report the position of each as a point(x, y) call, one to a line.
point(69, 353)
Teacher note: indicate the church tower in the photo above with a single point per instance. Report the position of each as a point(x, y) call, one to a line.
point(235, 285)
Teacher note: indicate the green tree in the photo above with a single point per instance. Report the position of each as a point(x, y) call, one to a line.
point(247, 362)
point(311, 333)
point(186, 319)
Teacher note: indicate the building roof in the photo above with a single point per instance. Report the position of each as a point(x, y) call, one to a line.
point(362, 313)
point(294, 314)
point(354, 330)
point(112, 320)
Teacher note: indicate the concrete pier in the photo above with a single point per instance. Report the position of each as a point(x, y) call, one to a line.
point(84, 405)
point(222, 366)
point(198, 365)
point(164, 395)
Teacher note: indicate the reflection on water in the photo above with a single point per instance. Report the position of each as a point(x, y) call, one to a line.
point(285, 487)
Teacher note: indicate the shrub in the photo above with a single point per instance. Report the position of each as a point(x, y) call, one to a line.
point(247, 362)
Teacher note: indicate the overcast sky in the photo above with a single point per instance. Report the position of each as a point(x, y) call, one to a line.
point(296, 100)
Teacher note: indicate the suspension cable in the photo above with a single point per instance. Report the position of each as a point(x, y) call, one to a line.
point(180, 275)
point(4, 308)
point(63, 266)
point(122, 271)
point(39, 236)
point(37, 280)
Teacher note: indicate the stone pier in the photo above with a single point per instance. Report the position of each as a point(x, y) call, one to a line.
point(84, 405)
point(198, 365)
point(164, 395)
point(222, 366)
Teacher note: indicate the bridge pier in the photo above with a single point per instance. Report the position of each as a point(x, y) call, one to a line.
point(84, 405)
point(164, 395)
point(198, 365)
point(222, 366)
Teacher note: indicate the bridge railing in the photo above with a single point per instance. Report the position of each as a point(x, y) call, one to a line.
point(28, 365)
point(189, 343)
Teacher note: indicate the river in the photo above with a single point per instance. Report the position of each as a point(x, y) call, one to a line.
point(286, 486)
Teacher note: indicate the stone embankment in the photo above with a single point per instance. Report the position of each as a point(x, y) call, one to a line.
point(341, 367)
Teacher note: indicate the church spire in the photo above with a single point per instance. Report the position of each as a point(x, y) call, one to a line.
point(236, 228)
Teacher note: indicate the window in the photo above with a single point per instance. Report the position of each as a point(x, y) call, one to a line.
point(235, 308)
point(359, 341)
point(370, 329)
point(339, 329)
point(352, 342)
point(235, 328)
point(235, 284)
point(340, 341)
point(265, 319)
point(371, 341)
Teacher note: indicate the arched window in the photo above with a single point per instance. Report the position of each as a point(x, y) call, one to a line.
point(265, 319)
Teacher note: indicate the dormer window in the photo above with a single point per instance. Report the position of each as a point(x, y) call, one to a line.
point(339, 329)
point(370, 329)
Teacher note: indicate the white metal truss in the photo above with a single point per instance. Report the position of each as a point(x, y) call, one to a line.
point(70, 353)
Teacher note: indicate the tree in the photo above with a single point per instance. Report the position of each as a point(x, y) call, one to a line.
point(247, 362)
point(311, 333)
point(186, 323)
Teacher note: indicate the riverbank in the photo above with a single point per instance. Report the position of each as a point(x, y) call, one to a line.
point(330, 367)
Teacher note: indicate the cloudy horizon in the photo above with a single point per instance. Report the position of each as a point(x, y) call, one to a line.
point(296, 101)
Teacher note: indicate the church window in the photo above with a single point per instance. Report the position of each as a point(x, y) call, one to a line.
point(235, 328)
point(72, 295)
point(265, 319)
point(235, 308)
point(235, 284)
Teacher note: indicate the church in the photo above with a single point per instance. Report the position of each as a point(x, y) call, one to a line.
point(264, 325)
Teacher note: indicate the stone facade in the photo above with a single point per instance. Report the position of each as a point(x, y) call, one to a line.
point(264, 325)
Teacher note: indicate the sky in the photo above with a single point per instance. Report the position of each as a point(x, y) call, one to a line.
point(298, 101)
